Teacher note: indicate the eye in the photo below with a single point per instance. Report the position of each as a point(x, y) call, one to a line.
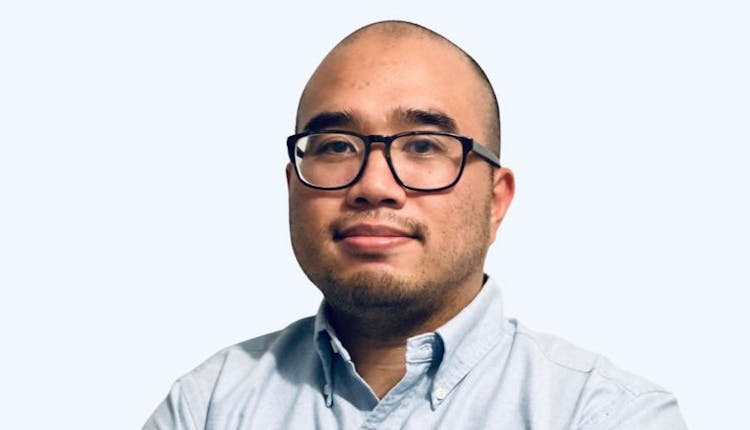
point(422, 146)
point(333, 147)
point(338, 146)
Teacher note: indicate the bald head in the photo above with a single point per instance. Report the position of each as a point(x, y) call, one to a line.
point(356, 50)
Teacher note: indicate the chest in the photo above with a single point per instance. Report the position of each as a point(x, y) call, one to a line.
point(489, 396)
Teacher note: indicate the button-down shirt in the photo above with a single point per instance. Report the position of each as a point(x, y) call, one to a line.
point(478, 371)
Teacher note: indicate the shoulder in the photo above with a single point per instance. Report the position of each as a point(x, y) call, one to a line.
point(244, 356)
point(241, 363)
point(244, 364)
point(552, 350)
point(605, 395)
point(559, 353)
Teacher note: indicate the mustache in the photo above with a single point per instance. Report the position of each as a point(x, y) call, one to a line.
point(412, 226)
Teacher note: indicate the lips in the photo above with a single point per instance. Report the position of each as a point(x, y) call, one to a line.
point(363, 238)
point(372, 230)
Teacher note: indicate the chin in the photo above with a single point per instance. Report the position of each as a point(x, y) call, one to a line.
point(373, 288)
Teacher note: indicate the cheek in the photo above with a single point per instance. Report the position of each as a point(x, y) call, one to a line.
point(305, 232)
point(447, 216)
point(465, 219)
point(310, 213)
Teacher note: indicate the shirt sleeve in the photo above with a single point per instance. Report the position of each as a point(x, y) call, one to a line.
point(173, 413)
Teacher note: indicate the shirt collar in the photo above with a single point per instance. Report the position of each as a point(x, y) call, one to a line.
point(326, 344)
point(464, 339)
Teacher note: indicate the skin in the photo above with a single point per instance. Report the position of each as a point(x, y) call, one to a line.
point(391, 262)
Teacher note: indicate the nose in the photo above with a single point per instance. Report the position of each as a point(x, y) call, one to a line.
point(376, 186)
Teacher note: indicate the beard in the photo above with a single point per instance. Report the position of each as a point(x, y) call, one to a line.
point(384, 305)
point(390, 303)
point(387, 304)
point(381, 304)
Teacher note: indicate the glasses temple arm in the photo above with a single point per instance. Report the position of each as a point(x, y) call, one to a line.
point(485, 153)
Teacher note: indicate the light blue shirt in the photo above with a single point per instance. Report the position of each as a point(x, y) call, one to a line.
point(478, 371)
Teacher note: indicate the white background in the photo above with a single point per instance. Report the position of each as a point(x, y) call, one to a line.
point(143, 204)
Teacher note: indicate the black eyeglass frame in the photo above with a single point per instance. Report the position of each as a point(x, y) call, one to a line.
point(468, 144)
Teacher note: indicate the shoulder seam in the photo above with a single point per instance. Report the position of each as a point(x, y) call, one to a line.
point(610, 405)
point(625, 387)
point(552, 360)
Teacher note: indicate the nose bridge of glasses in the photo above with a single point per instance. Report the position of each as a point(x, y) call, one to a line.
point(378, 139)
point(381, 163)
point(372, 139)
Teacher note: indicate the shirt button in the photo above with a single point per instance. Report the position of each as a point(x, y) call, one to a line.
point(440, 393)
point(327, 390)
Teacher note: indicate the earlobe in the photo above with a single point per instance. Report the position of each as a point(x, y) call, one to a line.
point(503, 188)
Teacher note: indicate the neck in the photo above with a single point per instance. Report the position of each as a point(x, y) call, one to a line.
point(376, 338)
point(382, 364)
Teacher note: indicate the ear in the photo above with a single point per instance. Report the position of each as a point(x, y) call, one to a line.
point(503, 188)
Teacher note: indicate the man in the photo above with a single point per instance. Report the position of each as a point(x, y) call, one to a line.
point(395, 194)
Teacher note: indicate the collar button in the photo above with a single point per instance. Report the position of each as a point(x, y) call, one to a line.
point(440, 393)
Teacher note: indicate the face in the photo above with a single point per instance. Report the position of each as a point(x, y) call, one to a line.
point(376, 245)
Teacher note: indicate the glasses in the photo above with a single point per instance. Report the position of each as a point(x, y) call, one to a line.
point(419, 160)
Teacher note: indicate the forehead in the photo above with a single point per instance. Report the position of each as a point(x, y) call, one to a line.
point(374, 78)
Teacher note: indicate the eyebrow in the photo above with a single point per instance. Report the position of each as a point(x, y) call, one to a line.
point(326, 120)
point(428, 117)
point(412, 117)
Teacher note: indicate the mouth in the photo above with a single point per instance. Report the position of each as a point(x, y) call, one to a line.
point(372, 230)
point(372, 239)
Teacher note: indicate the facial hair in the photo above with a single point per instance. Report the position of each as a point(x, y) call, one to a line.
point(386, 305)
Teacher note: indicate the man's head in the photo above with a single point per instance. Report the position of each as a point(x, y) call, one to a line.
point(376, 248)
